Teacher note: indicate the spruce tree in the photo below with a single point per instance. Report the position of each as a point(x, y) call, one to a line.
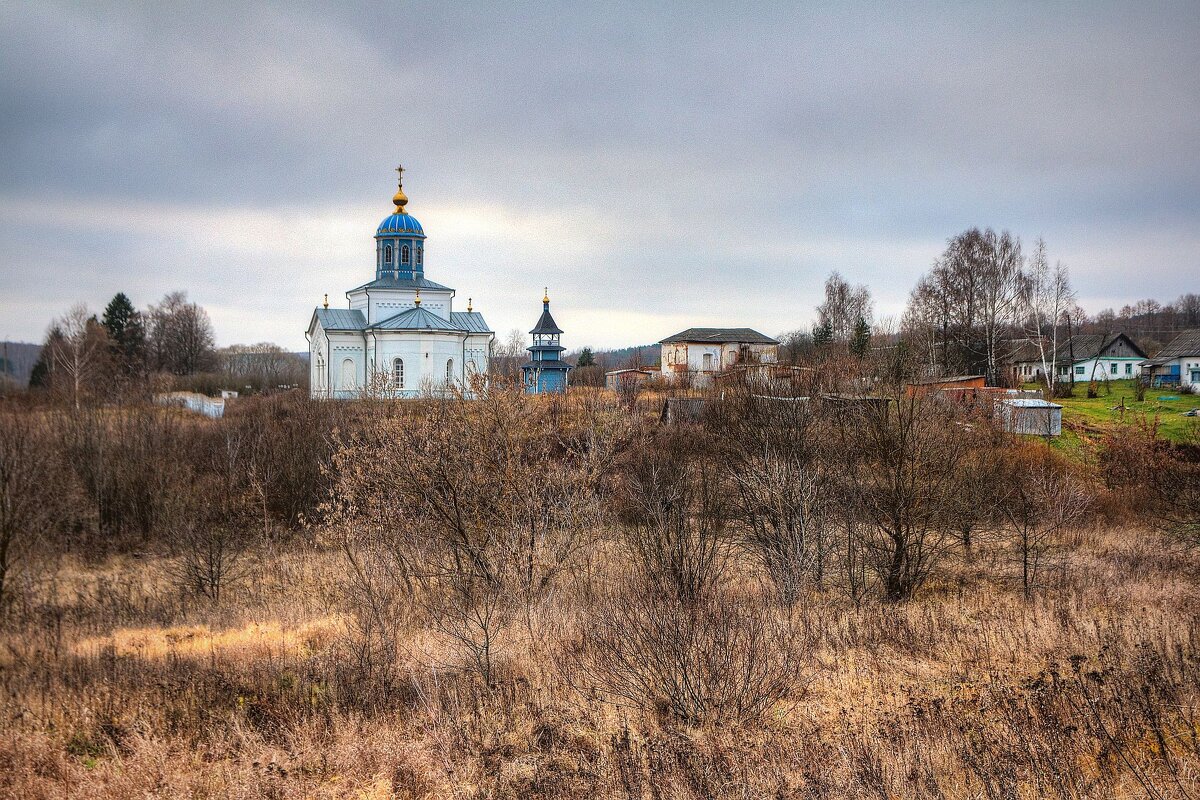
point(860, 339)
point(586, 359)
point(126, 332)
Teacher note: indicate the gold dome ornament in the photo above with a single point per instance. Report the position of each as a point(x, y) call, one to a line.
point(417, 299)
point(468, 305)
point(546, 294)
point(326, 300)
point(400, 199)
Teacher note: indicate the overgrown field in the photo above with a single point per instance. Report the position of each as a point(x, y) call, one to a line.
point(520, 597)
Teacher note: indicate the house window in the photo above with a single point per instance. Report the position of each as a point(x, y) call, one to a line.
point(348, 381)
point(387, 254)
point(1079, 370)
point(398, 373)
point(1129, 369)
point(708, 362)
point(404, 254)
point(1114, 369)
point(1062, 370)
point(420, 255)
point(450, 370)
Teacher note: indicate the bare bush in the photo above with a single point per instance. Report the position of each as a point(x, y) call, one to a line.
point(780, 489)
point(1040, 496)
point(29, 499)
point(711, 658)
point(901, 482)
point(674, 511)
point(469, 508)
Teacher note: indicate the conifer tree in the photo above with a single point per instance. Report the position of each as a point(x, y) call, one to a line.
point(860, 338)
point(127, 333)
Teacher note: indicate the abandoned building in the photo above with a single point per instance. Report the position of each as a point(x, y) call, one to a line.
point(696, 355)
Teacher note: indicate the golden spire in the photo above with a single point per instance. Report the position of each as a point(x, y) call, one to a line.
point(417, 299)
point(327, 300)
point(468, 305)
point(546, 294)
point(400, 198)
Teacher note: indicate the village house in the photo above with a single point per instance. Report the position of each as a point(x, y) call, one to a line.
point(1177, 364)
point(698, 354)
point(1083, 358)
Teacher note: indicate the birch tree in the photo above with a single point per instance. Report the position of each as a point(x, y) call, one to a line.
point(1048, 298)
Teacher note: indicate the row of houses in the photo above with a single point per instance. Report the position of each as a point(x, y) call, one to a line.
point(1095, 357)
point(702, 356)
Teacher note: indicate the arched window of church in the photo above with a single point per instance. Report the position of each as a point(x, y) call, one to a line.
point(348, 376)
point(387, 254)
point(398, 373)
point(450, 370)
point(420, 255)
point(404, 254)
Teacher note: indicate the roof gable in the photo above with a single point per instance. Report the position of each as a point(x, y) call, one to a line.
point(417, 319)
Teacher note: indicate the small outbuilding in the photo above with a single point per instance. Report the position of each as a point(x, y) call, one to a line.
point(618, 379)
point(1029, 416)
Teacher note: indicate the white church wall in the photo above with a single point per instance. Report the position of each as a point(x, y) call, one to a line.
point(425, 357)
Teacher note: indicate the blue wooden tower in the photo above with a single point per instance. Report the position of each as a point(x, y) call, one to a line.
point(545, 371)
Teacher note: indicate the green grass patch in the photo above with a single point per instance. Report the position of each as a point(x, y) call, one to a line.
point(1086, 418)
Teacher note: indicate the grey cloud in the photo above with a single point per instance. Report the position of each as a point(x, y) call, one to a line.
point(740, 152)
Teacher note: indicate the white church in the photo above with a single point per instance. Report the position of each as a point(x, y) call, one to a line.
point(400, 334)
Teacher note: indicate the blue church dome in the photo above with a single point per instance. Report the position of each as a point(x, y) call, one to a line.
point(400, 223)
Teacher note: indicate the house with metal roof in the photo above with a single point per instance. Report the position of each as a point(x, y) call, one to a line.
point(400, 335)
point(1087, 357)
point(1177, 364)
point(696, 355)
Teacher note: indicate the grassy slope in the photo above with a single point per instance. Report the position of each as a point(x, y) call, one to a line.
point(1086, 419)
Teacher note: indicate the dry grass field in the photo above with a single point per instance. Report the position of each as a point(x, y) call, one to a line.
point(114, 686)
point(516, 597)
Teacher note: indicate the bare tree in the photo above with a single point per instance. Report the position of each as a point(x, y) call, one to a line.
point(844, 307)
point(1002, 286)
point(1048, 298)
point(900, 477)
point(78, 353)
point(181, 336)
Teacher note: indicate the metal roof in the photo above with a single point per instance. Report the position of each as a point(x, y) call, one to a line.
point(470, 320)
point(548, 364)
point(401, 283)
point(401, 224)
point(1029, 402)
point(416, 319)
point(546, 323)
point(1186, 343)
point(1086, 346)
point(341, 319)
point(720, 336)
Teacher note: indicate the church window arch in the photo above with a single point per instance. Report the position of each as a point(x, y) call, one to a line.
point(404, 254)
point(348, 374)
point(387, 254)
point(420, 255)
point(449, 370)
point(398, 373)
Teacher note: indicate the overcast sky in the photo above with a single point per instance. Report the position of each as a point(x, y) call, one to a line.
point(658, 168)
